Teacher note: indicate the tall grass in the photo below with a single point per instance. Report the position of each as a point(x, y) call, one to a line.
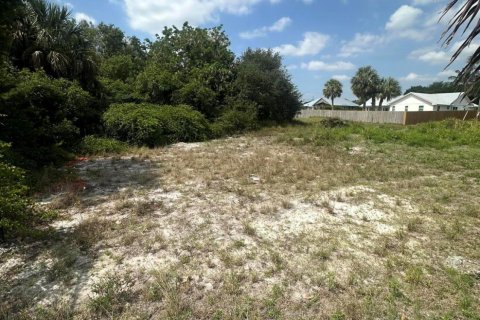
point(438, 135)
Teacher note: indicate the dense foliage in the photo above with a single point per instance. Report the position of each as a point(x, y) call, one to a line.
point(263, 81)
point(92, 145)
point(14, 205)
point(45, 117)
point(66, 84)
point(436, 87)
point(153, 125)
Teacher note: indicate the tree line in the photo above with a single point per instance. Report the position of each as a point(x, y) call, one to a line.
point(65, 84)
point(366, 85)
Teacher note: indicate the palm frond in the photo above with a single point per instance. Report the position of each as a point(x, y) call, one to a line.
point(464, 18)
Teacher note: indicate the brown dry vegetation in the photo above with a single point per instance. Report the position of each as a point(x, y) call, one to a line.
point(264, 226)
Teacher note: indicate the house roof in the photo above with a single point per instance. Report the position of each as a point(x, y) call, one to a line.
point(338, 102)
point(377, 101)
point(446, 99)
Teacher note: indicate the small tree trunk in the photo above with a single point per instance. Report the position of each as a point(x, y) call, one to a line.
point(374, 104)
point(333, 103)
point(380, 104)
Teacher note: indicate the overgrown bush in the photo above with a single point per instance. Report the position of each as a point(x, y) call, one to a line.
point(333, 123)
point(15, 208)
point(92, 145)
point(45, 117)
point(241, 116)
point(153, 125)
point(262, 79)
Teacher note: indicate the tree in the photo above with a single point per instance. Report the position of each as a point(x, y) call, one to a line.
point(110, 40)
point(332, 90)
point(191, 66)
point(365, 84)
point(389, 88)
point(262, 80)
point(47, 38)
point(436, 87)
point(10, 9)
point(45, 116)
point(464, 17)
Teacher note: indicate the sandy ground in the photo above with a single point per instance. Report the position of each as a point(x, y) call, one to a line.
point(240, 215)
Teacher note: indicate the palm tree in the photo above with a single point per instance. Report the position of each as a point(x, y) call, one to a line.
point(46, 37)
point(365, 84)
point(389, 88)
point(332, 90)
point(464, 18)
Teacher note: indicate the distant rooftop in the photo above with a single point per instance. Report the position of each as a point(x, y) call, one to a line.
point(338, 102)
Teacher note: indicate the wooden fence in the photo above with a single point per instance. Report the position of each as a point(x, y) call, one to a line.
point(403, 118)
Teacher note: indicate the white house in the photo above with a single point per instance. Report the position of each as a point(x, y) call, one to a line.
point(431, 102)
point(324, 103)
point(385, 103)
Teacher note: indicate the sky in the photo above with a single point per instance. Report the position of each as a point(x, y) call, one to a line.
point(318, 39)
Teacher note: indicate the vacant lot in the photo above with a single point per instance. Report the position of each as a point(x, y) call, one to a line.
point(291, 222)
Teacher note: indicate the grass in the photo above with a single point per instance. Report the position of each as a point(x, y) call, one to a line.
point(357, 221)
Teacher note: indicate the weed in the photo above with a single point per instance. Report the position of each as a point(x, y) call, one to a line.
point(111, 293)
point(249, 229)
point(414, 224)
point(414, 275)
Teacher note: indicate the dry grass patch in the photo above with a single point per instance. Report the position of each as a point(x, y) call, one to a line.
point(253, 227)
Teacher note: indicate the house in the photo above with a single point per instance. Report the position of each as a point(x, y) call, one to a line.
point(385, 104)
point(324, 103)
point(414, 101)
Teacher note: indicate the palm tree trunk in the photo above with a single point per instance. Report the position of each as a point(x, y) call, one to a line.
point(373, 103)
point(380, 104)
point(333, 103)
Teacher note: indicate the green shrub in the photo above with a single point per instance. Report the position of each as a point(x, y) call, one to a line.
point(153, 125)
point(44, 117)
point(333, 123)
point(15, 208)
point(92, 145)
point(240, 117)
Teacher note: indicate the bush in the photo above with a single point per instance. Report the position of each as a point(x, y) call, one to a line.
point(44, 117)
point(262, 79)
point(92, 145)
point(153, 125)
point(15, 208)
point(240, 117)
point(333, 123)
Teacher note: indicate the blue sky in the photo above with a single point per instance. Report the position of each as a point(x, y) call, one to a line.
point(319, 39)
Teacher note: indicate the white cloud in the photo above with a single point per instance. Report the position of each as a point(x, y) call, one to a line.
point(317, 65)
point(277, 26)
point(312, 43)
point(407, 22)
point(405, 17)
point(362, 42)
point(442, 56)
point(447, 73)
point(430, 56)
point(80, 16)
point(153, 15)
point(418, 78)
point(341, 77)
point(280, 24)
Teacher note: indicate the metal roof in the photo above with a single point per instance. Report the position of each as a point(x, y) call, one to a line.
point(445, 99)
point(338, 102)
